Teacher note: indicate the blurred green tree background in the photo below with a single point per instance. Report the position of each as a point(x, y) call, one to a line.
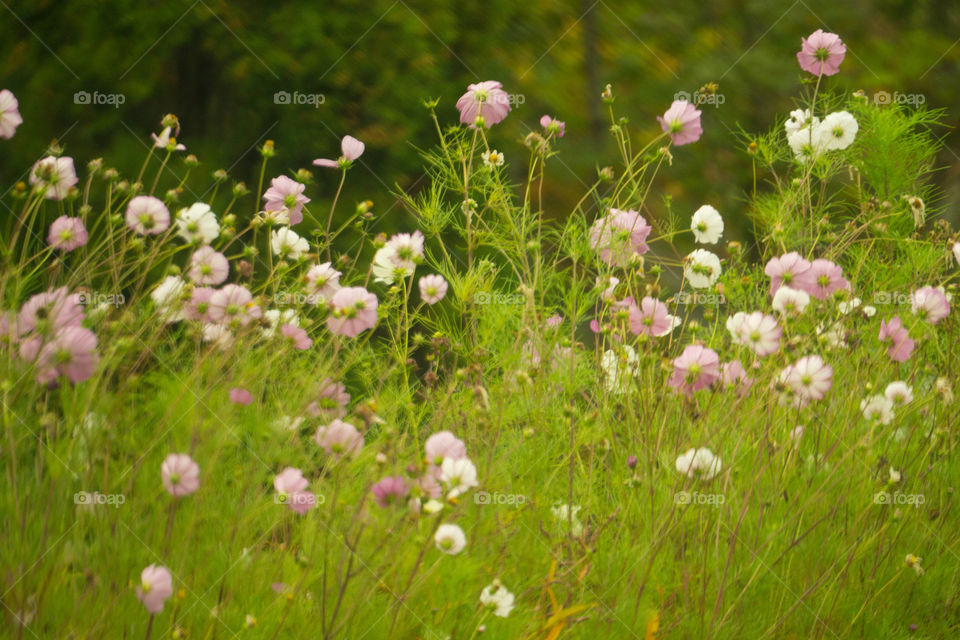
point(218, 65)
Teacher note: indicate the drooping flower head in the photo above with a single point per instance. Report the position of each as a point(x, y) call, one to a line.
point(67, 234)
point(681, 122)
point(54, 176)
point(180, 474)
point(901, 345)
point(694, 369)
point(619, 236)
point(732, 374)
point(552, 126)
point(351, 149)
point(286, 193)
point(156, 585)
point(353, 311)
point(147, 215)
point(484, 104)
point(821, 53)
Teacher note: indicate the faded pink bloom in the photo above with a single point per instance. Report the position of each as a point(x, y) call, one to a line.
point(147, 215)
point(241, 396)
point(286, 193)
point(732, 374)
point(929, 304)
point(787, 270)
point(440, 446)
point(54, 176)
point(208, 266)
point(67, 234)
point(553, 126)
point(432, 288)
point(50, 311)
point(681, 122)
point(322, 282)
point(180, 474)
point(72, 353)
point(901, 345)
point(339, 438)
point(10, 117)
point(233, 304)
point(406, 250)
point(761, 333)
point(351, 149)
point(198, 306)
point(156, 585)
point(485, 100)
point(822, 279)
point(810, 378)
point(619, 235)
point(390, 490)
point(354, 310)
point(332, 401)
point(297, 336)
point(650, 318)
point(291, 490)
point(697, 367)
point(821, 53)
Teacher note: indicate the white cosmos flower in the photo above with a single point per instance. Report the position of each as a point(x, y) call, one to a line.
point(699, 463)
point(846, 306)
point(197, 224)
point(459, 474)
point(564, 514)
point(788, 301)
point(701, 269)
point(497, 598)
point(879, 408)
point(450, 539)
point(807, 143)
point(798, 119)
point(618, 369)
point(218, 335)
point(956, 252)
point(675, 321)
point(734, 323)
point(838, 130)
point(385, 268)
point(899, 392)
point(287, 244)
point(492, 158)
point(168, 296)
point(707, 225)
point(895, 476)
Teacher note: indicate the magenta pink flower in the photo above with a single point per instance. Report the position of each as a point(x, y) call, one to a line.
point(297, 336)
point(147, 215)
point(351, 149)
point(822, 279)
point(208, 266)
point(697, 367)
point(390, 490)
point(901, 345)
point(241, 396)
point(432, 288)
point(67, 234)
point(72, 354)
point(650, 318)
point(10, 117)
point(929, 304)
point(339, 439)
point(180, 474)
point(619, 235)
point(156, 585)
point(286, 193)
point(198, 306)
point(46, 313)
point(681, 122)
point(353, 311)
point(761, 333)
point(821, 53)
point(810, 378)
point(233, 304)
point(54, 176)
point(732, 374)
point(484, 103)
point(552, 126)
point(786, 270)
point(332, 401)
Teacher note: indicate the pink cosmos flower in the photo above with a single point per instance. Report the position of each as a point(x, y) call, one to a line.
point(67, 234)
point(681, 122)
point(554, 321)
point(50, 311)
point(929, 304)
point(551, 125)
point(433, 288)
point(901, 345)
point(241, 396)
point(322, 282)
point(390, 490)
point(354, 310)
point(54, 176)
point(697, 367)
point(619, 235)
point(180, 474)
point(297, 336)
point(10, 117)
point(484, 101)
point(439, 447)
point(332, 401)
point(788, 269)
point(199, 304)
point(810, 378)
point(650, 318)
point(823, 278)
point(732, 374)
point(406, 250)
point(291, 490)
point(339, 438)
point(208, 266)
point(147, 215)
point(233, 304)
point(156, 585)
point(351, 149)
point(72, 353)
point(761, 333)
point(286, 193)
point(821, 53)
